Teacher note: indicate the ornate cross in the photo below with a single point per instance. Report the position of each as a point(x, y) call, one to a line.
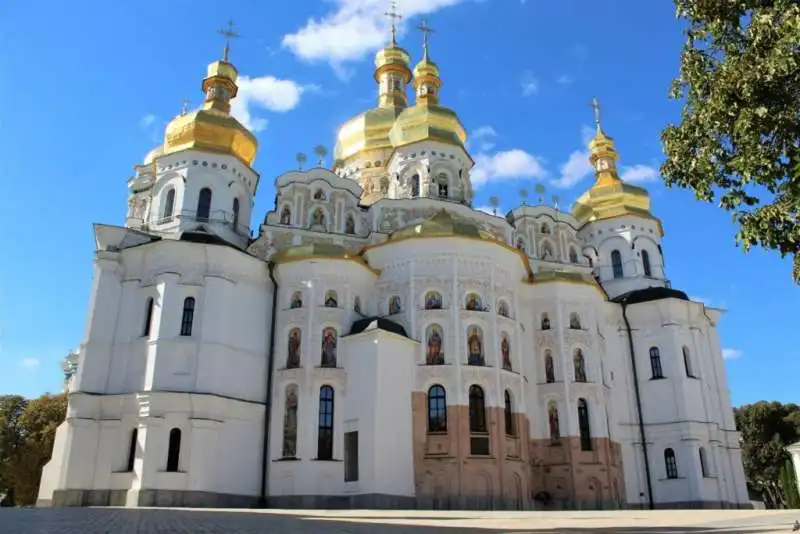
point(229, 34)
point(425, 29)
point(596, 109)
point(394, 16)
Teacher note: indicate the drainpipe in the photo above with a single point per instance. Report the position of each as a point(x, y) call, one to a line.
point(638, 407)
point(268, 400)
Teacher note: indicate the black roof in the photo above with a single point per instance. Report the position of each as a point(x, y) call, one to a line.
point(206, 238)
point(381, 323)
point(649, 294)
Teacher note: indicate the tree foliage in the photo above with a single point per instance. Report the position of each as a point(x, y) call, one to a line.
point(767, 428)
point(27, 432)
point(739, 135)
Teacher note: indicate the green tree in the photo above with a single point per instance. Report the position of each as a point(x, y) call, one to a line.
point(739, 135)
point(11, 409)
point(767, 428)
point(27, 433)
point(789, 485)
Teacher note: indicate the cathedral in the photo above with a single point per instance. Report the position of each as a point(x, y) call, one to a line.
point(379, 343)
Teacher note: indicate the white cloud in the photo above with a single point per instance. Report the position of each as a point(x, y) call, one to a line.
point(30, 363)
point(265, 92)
point(505, 165)
point(484, 135)
point(731, 354)
point(574, 170)
point(529, 84)
point(565, 79)
point(639, 173)
point(489, 210)
point(353, 28)
point(147, 120)
point(587, 132)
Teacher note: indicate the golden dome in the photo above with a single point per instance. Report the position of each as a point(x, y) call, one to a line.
point(153, 154)
point(426, 67)
point(370, 130)
point(443, 225)
point(425, 122)
point(212, 127)
point(609, 196)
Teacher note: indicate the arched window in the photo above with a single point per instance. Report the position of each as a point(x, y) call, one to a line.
point(580, 366)
point(583, 425)
point(505, 352)
point(655, 363)
point(188, 316)
point(289, 449)
point(573, 255)
point(508, 412)
point(286, 215)
point(349, 225)
point(549, 368)
point(545, 229)
point(473, 302)
point(297, 300)
point(148, 316)
point(415, 185)
point(235, 214)
point(547, 251)
point(132, 449)
point(545, 322)
point(670, 463)
point(357, 304)
point(521, 245)
point(687, 362)
point(169, 205)
point(442, 184)
point(204, 204)
point(475, 346)
point(703, 462)
point(174, 450)
point(437, 409)
point(331, 299)
point(318, 217)
point(433, 300)
point(616, 263)
point(329, 342)
point(552, 421)
point(502, 309)
point(477, 410)
point(395, 305)
point(325, 425)
point(646, 263)
point(434, 354)
point(574, 321)
point(319, 194)
point(293, 349)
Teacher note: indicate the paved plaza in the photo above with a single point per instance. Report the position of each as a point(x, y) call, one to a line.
point(162, 521)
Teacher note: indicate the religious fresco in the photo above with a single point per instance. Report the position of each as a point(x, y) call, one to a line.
point(505, 352)
point(580, 369)
point(297, 300)
point(434, 354)
point(475, 346)
point(331, 299)
point(552, 418)
point(349, 225)
point(290, 423)
point(293, 352)
point(433, 300)
point(474, 302)
point(549, 368)
point(545, 322)
point(286, 215)
point(329, 342)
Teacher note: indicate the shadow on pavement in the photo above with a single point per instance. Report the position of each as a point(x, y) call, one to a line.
point(163, 521)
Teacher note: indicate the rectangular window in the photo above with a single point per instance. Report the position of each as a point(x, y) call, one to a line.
point(479, 446)
point(351, 456)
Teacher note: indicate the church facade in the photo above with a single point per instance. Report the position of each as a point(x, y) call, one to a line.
point(381, 343)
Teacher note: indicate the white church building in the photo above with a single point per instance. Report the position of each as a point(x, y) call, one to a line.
point(382, 343)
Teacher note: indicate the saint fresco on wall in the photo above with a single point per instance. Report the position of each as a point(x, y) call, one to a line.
point(475, 346)
point(290, 423)
point(329, 347)
point(433, 301)
point(549, 368)
point(434, 354)
point(505, 351)
point(293, 354)
point(473, 302)
point(286, 215)
point(552, 416)
point(580, 369)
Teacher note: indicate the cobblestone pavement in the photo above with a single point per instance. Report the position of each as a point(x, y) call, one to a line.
point(163, 521)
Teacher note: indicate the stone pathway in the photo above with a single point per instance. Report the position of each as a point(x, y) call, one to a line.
point(164, 520)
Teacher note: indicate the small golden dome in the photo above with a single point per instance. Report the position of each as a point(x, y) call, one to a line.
point(392, 58)
point(153, 154)
point(426, 67)
point(212, 127)
point(427, 122)
point(443, 225)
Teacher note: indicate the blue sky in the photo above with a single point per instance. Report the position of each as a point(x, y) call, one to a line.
point(89, 86)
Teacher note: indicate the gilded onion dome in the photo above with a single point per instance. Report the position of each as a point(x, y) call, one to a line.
point(370, 130)
point(427, 120)
point(443, 225)
point(609, 196)
point(212, 127)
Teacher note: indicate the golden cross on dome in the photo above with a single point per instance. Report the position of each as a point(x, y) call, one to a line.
point(425, 29)
point(596, 109)
point(229, 34)
point(394, 16)
point(185, 108)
